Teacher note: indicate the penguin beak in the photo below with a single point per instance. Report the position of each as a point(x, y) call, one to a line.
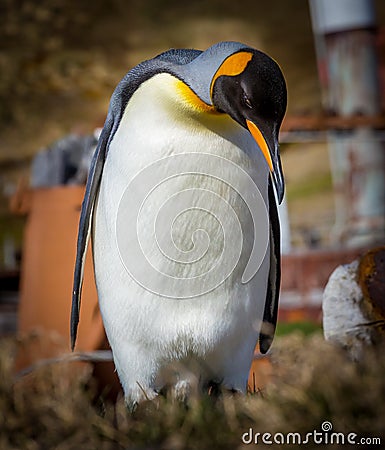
point(270, 150)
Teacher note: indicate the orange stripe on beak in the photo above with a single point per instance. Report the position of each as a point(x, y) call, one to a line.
point(257, 135)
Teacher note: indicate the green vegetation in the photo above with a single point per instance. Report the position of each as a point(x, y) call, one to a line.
point(306, 328)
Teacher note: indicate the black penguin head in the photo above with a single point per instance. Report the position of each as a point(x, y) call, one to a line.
point(249, 86)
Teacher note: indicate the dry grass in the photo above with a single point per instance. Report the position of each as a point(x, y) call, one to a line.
point(56, 408)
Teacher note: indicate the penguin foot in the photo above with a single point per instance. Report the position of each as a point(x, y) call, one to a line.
point(138, 394)
point(182, 391)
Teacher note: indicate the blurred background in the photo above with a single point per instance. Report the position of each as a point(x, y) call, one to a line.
point(60, 61)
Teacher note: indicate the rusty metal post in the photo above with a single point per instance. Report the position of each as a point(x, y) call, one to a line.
point(347, 64)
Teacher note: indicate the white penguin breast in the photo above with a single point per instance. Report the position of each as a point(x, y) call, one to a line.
point(169, 176)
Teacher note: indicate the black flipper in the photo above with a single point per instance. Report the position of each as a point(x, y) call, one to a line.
point(85, 222)
point(273, 286)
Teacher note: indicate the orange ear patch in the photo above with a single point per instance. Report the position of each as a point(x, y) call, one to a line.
point(231, 66)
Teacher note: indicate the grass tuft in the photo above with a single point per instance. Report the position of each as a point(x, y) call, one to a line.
point(57, 408)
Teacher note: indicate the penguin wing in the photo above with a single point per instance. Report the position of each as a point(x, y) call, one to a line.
point(273, 285)
point(85, 222)
point(165, 62)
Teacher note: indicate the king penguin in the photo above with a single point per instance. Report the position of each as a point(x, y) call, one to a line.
point(222, 109)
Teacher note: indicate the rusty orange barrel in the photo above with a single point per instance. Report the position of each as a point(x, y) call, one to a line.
point(49, 248)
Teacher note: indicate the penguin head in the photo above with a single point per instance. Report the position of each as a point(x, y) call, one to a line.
point(232, 78)
point(249, 86)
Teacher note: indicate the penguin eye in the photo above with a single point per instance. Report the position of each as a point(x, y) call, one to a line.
point(246, 100)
